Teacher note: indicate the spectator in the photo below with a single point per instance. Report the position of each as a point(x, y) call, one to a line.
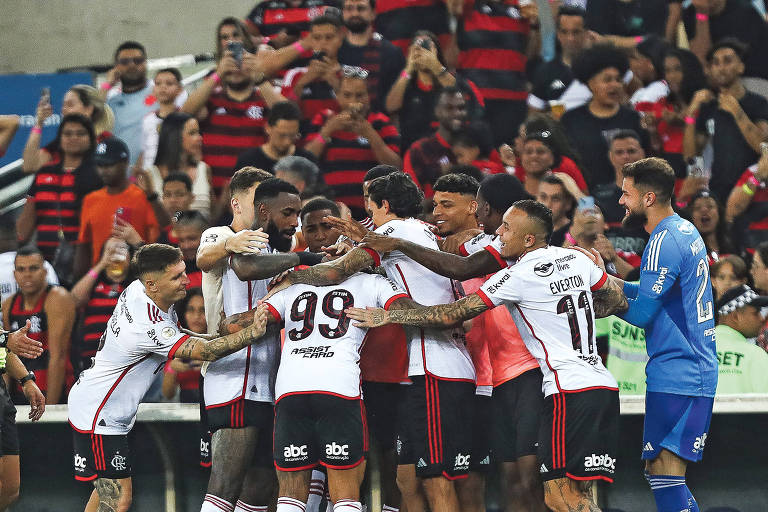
point(314, 86)
point(369, 50)
point(177, 195)
point(627, 20)
point(727, 272)
point(414, 95)
point(709, 21)
point(182, 376)
point(735, 120)
point(759, 273)
point(473, 146)
point(167, 88)
point(536, 123)
point(588, 232)
point(51, 312)
point(180, 150)
point(231, 106)
point(79, 99)
point(551, 79)
point(188, 228)
point(95, 295)
point(300, 172)
point(352, 141)
point(708, 215)
point(8, 126)
point(540, 155)
point(494, 41)
point(746, 209)
point(8, 247)
point(281, 22)
point(646, 62)
point(282, 129)
point(398, 22)
point(119, 209)
point(52, 209)
point(553, 194)
point(601, 68)
point(743, 367)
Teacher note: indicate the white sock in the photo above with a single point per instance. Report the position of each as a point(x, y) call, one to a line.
point(389, 508)
point(212, 503)
point(244, 507)
point(316, 491)
point(290, 505)
point(347, 506)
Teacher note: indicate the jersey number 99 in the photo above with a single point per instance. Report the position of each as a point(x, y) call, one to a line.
point(306, 315)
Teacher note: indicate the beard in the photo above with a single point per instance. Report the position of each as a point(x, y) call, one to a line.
point(133, 81)
point(239, 85)
point(278, 239)
point(634, 220)
point(356, 25)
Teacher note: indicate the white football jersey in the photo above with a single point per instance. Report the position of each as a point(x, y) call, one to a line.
point(212, 295)
point(321, 353)
point(138, 341)
point(250, 372)
point(549, 295)
point(438, 352)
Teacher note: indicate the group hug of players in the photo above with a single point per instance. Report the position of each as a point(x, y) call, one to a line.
point(557, 424)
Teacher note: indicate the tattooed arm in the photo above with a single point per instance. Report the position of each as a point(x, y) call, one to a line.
point(609, 299)
point(407, 312)
point(203, 350)
point(263, 266)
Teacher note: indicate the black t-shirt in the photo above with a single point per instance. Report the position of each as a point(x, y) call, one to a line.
point(549, 80)
point(732, 153)
point(739, 19)
point(633, 18)
point(590, 136)
point(257, 158)
point(382, 59)
point(557, 238)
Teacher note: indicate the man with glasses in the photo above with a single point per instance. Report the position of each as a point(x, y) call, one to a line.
point(282, 134)
point(352, 140)
point(368, 49)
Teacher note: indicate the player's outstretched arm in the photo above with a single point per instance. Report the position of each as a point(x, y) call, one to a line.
point(264, 266)
point(609, 299)
point(446, 264)
point(408, 312)
point(204, 350)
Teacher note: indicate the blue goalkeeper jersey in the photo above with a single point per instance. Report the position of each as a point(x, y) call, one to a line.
point(673, 303)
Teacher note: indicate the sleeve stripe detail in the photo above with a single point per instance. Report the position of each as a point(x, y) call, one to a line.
point(274, 312)
point(488, 302)
point(653, 252)
point(600, 283)
point(376, 257)
point(394, 298)
point(463, 250)
point(496, 255)
point(175, 347)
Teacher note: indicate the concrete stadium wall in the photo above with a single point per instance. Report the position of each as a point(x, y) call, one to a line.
point(38, 36)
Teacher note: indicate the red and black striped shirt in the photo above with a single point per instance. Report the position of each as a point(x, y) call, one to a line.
point(97, 312)
point(274, 16)
point(492, 38)
point(230, 128)
point(399, 20)
point(349, 156)
point(313, 99)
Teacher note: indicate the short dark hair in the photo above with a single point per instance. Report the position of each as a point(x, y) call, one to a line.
point(191, 218)
point(286, 110)
point(457, 183)
point(626, 133)
point(501, 191)
point(247, 177)
point(270, 189)
point(467, 170)
point(130, 45)
point(570, 10)
point(738, 46)
point(379, 171)
point(174, 71)
point(538, 212)
point(327, 19)
point(320, 203)
point(180, 177)
point(654, 174)
point(476, 134)
point(593, 60)
point(237, 23)
point(155, 258)
point(29, 250)
point(451, 90)
point(399, 190)
point(299, 166)
point(738, 265)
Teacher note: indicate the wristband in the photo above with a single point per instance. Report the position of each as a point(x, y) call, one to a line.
point(310, 258)
point(37, 130)
point(405, 75)
point(639, 40)
point(105, 86)
point(700, 16)
point(216, 78)
point(92, 273)
point(690, 120)
point(443, 71)
point(569, 238)
point(747, 190)
point(298, 47)
point(27, 378)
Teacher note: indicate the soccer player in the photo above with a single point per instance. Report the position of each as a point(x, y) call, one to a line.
point(435, 436)
point(673, 303)
point(142, 333)
point(549, 295)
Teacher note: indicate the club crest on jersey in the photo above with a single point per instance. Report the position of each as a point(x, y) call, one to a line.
point(544, 269)
point(118, 462)
point(210, 238)
point(255, 112)
point(685, 227)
